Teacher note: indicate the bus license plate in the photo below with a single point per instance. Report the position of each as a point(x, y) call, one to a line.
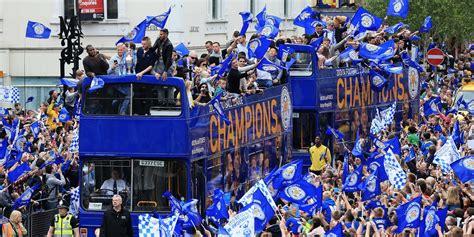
point(154, 163)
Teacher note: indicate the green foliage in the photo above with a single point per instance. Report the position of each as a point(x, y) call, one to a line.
point(451, 18)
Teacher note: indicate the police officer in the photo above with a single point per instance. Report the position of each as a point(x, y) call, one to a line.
point(117, 221)
point(63, 224)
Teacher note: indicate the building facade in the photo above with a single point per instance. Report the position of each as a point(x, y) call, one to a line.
point(33, 64)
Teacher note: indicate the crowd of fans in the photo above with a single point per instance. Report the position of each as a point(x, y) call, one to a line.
point(159, 59)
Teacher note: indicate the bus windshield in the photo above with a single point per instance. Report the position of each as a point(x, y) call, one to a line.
point(133, 99)
point(140, 182)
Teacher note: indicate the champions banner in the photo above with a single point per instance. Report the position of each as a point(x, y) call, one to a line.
point(252, 118)
point(345, 88)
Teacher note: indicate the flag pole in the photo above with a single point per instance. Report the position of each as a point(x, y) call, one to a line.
point(24, 74)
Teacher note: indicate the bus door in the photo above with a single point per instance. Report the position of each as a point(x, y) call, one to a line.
point(198, 181)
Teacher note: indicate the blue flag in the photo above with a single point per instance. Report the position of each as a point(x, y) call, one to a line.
point(64, 115)
point(181, 50)
point(336, 133)
point(414, 38)
point(192, 217)
point(411, 155)
point(377, 164)
point(258, 47)
point(3, 112)
point(25, 198)
point(268, 66)
point(410, 62)
point(427, 24)
point(316, 43)
point(306, 14)
point(298, 192)
point(19, 171)
point(68, 82)
point(312, 208)
point(380, 52)
point(218, 209)
point(336, 231)
point(457, 134)
point(174, 203)
point(394, 145)
point(377, 81)
point(409, 215)
point(225, 66)
point(30, 99)
point(349, 54)
point(168, 225)
point(395, 28)
point(262, 209)
point(269, 30)
point(308, 19)
point(3, 151)
point(365, 20)
point(37, 30)
point(430, 219)
point(464, 168)
point(285, 52)
point(97, 83)
point(216, 104)
point(261, 18)
point(357, 151)
point(246, 20)
point(352, 182)
point(159, 21)
point(56, 160)
point(390, 68)
point(431, 106)
point(398, 8)
point(370, 187)
point(345, 166)
point(135, 35)
point(288, 174)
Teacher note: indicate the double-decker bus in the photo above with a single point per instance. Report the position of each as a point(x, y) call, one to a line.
point(343, 99)
point(138, 141)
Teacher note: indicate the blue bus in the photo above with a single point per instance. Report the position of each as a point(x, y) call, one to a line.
point(342, 98)
point(138, 141)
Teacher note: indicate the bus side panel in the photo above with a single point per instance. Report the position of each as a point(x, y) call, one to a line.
point(114, 136)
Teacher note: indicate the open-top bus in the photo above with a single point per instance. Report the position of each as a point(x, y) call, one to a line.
point(151, 142)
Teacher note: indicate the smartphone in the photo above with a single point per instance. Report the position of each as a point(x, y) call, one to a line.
point(115, 61)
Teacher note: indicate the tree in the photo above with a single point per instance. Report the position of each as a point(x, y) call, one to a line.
point(452, 20)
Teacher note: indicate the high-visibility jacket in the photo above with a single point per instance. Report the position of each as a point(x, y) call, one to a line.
point(62, 226)
point(8, 231)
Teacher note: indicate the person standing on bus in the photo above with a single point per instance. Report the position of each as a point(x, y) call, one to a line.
point(320, 156)
point(63, 224)
point(117, 221)
point(14, 228)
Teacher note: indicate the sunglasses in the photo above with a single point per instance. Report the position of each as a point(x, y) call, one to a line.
point(194, 57)
point(205, 65)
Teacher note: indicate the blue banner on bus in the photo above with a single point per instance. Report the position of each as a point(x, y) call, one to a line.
point(341, 89)
point(253, 118)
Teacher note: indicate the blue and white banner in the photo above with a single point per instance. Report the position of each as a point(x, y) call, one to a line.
point(241, 224)
point(396, 175)
point(446, 155)
point(9, 94)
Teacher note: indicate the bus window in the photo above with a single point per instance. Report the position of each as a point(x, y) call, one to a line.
point(103, 179)
point(112, 99)
point(304, 130)
point(155, 100)
point(214, 176)
point(132, 99)
point(151, 178)
point(303, 65)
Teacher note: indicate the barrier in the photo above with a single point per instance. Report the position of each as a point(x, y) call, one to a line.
point(38, 221)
